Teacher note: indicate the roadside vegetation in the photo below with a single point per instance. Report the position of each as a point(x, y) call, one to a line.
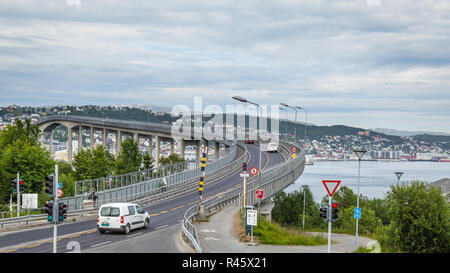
point(412, 218)
point(21, 152)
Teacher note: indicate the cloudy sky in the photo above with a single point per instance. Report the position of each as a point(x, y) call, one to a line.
point(365, 63)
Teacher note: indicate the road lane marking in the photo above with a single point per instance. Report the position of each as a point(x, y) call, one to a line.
point(7, 251)
point(162, 227)
point(155, 214)
point(101, 244)
point(165, 211)
point(34, 245)
point(129, 236)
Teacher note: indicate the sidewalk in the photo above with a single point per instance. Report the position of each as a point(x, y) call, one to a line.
point(218, 236)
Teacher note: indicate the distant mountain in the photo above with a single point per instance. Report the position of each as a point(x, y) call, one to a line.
point(407, 133)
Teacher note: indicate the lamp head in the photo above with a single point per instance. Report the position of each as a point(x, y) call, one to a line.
point(241, 99)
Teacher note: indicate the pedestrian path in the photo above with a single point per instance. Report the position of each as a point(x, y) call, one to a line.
point(218, 236)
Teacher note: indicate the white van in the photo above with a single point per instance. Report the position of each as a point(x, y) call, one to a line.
point(272, 147)
point(121, 217)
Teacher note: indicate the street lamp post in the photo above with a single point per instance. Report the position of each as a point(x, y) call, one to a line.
point(304, 205)
point(295, 129)
point(306, 117)
point(241, 99)
point(359, 154)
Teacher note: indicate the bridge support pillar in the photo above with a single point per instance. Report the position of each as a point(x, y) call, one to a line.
point(157, 152)
point(216, 150)
point(91, 139)
point(182, 148)
point(201, 212)
point(80, 138)
point(197, 153)
point(150, 145)
point(104, 137)
point(172, 147)
point(69, 145)
point(50, 144)
point(42, 139)
point(118, 142)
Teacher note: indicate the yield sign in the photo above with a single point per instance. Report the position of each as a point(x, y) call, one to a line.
point(331, 186)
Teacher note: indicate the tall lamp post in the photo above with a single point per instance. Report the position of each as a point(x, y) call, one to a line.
point(295, 129)
point(398, 174)
point(306, 117)
point(285, 122)
point(359, 153)
point(241, 99)
point(304, 205)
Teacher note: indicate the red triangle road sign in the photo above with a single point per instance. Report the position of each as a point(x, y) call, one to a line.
point(331, 185)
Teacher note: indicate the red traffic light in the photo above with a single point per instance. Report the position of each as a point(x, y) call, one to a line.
point(21, 182)
point(335, 205)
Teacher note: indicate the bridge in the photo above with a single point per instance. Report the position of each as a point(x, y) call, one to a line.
point(177, 207)
point(153, 132)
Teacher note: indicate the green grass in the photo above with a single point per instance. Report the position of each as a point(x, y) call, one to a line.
point(273, 234)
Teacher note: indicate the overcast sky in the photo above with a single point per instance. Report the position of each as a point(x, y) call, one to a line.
point(365, 63)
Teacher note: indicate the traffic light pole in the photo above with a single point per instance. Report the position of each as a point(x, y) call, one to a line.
point(329, 224)
point(18, 195)
point(55, 209)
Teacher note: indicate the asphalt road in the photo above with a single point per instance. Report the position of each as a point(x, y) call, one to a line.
point(84, 235)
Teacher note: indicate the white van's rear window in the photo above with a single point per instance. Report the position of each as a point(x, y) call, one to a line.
point(110, 211)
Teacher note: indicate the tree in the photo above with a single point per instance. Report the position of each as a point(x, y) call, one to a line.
point(130, 158)
point(419, 218)
point(90, 164)
point(27, 132)
point(288, 209)
point(147, 159)
point(30, 161)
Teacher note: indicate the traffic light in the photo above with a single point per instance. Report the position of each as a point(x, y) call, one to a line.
point(20, 185)
point(244, 166)
point(324, 213)
point(49, 184)
point(62, 209)
point(49, 210)
point(14, 186)
point(334, 211)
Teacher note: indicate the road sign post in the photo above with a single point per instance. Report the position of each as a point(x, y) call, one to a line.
point(252, 220)
point(331, 187)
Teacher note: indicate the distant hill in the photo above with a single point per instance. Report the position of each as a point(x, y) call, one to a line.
point(407, 133)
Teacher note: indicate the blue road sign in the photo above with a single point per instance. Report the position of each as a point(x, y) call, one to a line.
point(59, 185)
point(357, 213)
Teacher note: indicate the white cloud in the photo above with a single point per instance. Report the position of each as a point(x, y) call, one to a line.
point(328, 56)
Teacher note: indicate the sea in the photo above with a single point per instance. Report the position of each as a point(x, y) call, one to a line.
point(375, 179)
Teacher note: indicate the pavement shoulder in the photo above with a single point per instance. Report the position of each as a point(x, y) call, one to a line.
point(219, 235)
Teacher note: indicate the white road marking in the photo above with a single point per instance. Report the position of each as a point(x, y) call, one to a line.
point(129, 236)
point(162, 227)
point(101, 244)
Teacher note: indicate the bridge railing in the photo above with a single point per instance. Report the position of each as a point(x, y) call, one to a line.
point(273, 180)
point(143, 193)
point(141, 185)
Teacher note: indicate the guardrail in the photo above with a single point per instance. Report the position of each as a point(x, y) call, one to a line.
point(273, 180)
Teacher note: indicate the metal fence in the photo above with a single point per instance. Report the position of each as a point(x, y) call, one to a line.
point(273, 180)
point(142, 184)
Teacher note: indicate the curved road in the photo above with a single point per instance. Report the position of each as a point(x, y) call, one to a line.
point(163, 215)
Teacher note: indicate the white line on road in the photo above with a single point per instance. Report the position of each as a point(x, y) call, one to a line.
point(129, 236)
point(101, 244)
point(162, 227)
